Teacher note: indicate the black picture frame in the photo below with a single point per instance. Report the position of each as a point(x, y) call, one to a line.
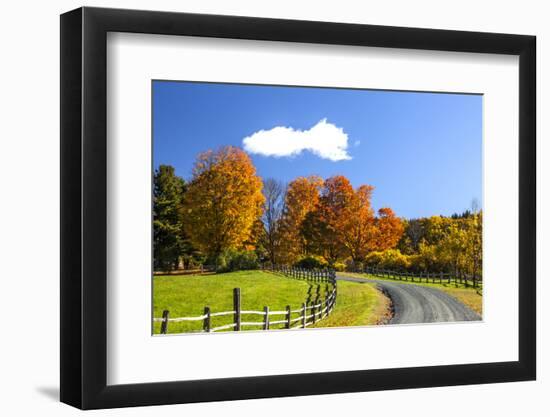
point(84, 207)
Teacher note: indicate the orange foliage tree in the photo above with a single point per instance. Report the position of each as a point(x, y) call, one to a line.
point(389, 229)
point(343, 223)
point(223, 201)
point(358, 228)
point(323, 228)
point(301, 198)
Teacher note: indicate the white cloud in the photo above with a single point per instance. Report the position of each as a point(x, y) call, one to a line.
point(324, 140)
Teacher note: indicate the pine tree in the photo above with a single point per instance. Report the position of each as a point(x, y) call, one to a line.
point(169, 242)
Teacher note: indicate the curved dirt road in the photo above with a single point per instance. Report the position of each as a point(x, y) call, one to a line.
point(419, 304)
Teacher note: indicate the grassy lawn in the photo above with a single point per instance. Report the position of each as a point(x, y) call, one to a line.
point(472, 297)
point(357, 304)
point(186, 296)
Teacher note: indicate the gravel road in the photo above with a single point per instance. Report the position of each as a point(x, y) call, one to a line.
point(419, 304)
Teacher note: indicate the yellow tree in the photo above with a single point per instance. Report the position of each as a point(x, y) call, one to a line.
point(436, 228)
point(474, 244)
point(223, 201)
point(301, 198)
point(451, 249)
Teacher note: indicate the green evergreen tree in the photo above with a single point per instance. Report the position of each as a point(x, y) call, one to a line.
point(169, 242)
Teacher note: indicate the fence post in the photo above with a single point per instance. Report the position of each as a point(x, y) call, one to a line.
point(313, 310)
point(164, 324)
point(288, 314)
point(266, 318)
point(237, 308)
point(304, 315)
point(206, 323)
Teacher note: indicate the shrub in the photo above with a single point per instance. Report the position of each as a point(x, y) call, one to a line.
point(311, 262)
point(359, 266)
point(428, 259)
point(236, 260)
point(389, 259)
point(339, 266)
point(373, 258)
point(417, 263)
point(354, 266)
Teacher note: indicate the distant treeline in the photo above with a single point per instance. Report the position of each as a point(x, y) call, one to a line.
point(227, 216)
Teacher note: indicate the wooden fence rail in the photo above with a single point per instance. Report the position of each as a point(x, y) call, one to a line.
point(311, 311)
point(312, 275)
point(433, 277)
point(199, 270)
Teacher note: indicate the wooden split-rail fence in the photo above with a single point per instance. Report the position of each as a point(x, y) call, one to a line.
point(312, 310)
point(311, 275)
point(428, 277)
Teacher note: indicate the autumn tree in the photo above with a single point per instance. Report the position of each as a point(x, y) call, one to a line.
point(437, 228)
point(169, 241)
point(412, 236)
point(451, 248)
point(256, 240)
point(357, 227)
point(474, 244)
point(343, 223)
point(301, 197)
point(323, 229)
point(389, 229)
point(223, 201)
point(274, 194)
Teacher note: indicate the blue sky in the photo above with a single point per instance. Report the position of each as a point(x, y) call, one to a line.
point(421, 151)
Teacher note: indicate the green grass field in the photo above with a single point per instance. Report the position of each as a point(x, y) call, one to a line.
point(472, 297)
point(358, 304)
point(186, 296)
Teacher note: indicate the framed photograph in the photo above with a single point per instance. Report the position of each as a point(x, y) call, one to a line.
point(259, 208)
